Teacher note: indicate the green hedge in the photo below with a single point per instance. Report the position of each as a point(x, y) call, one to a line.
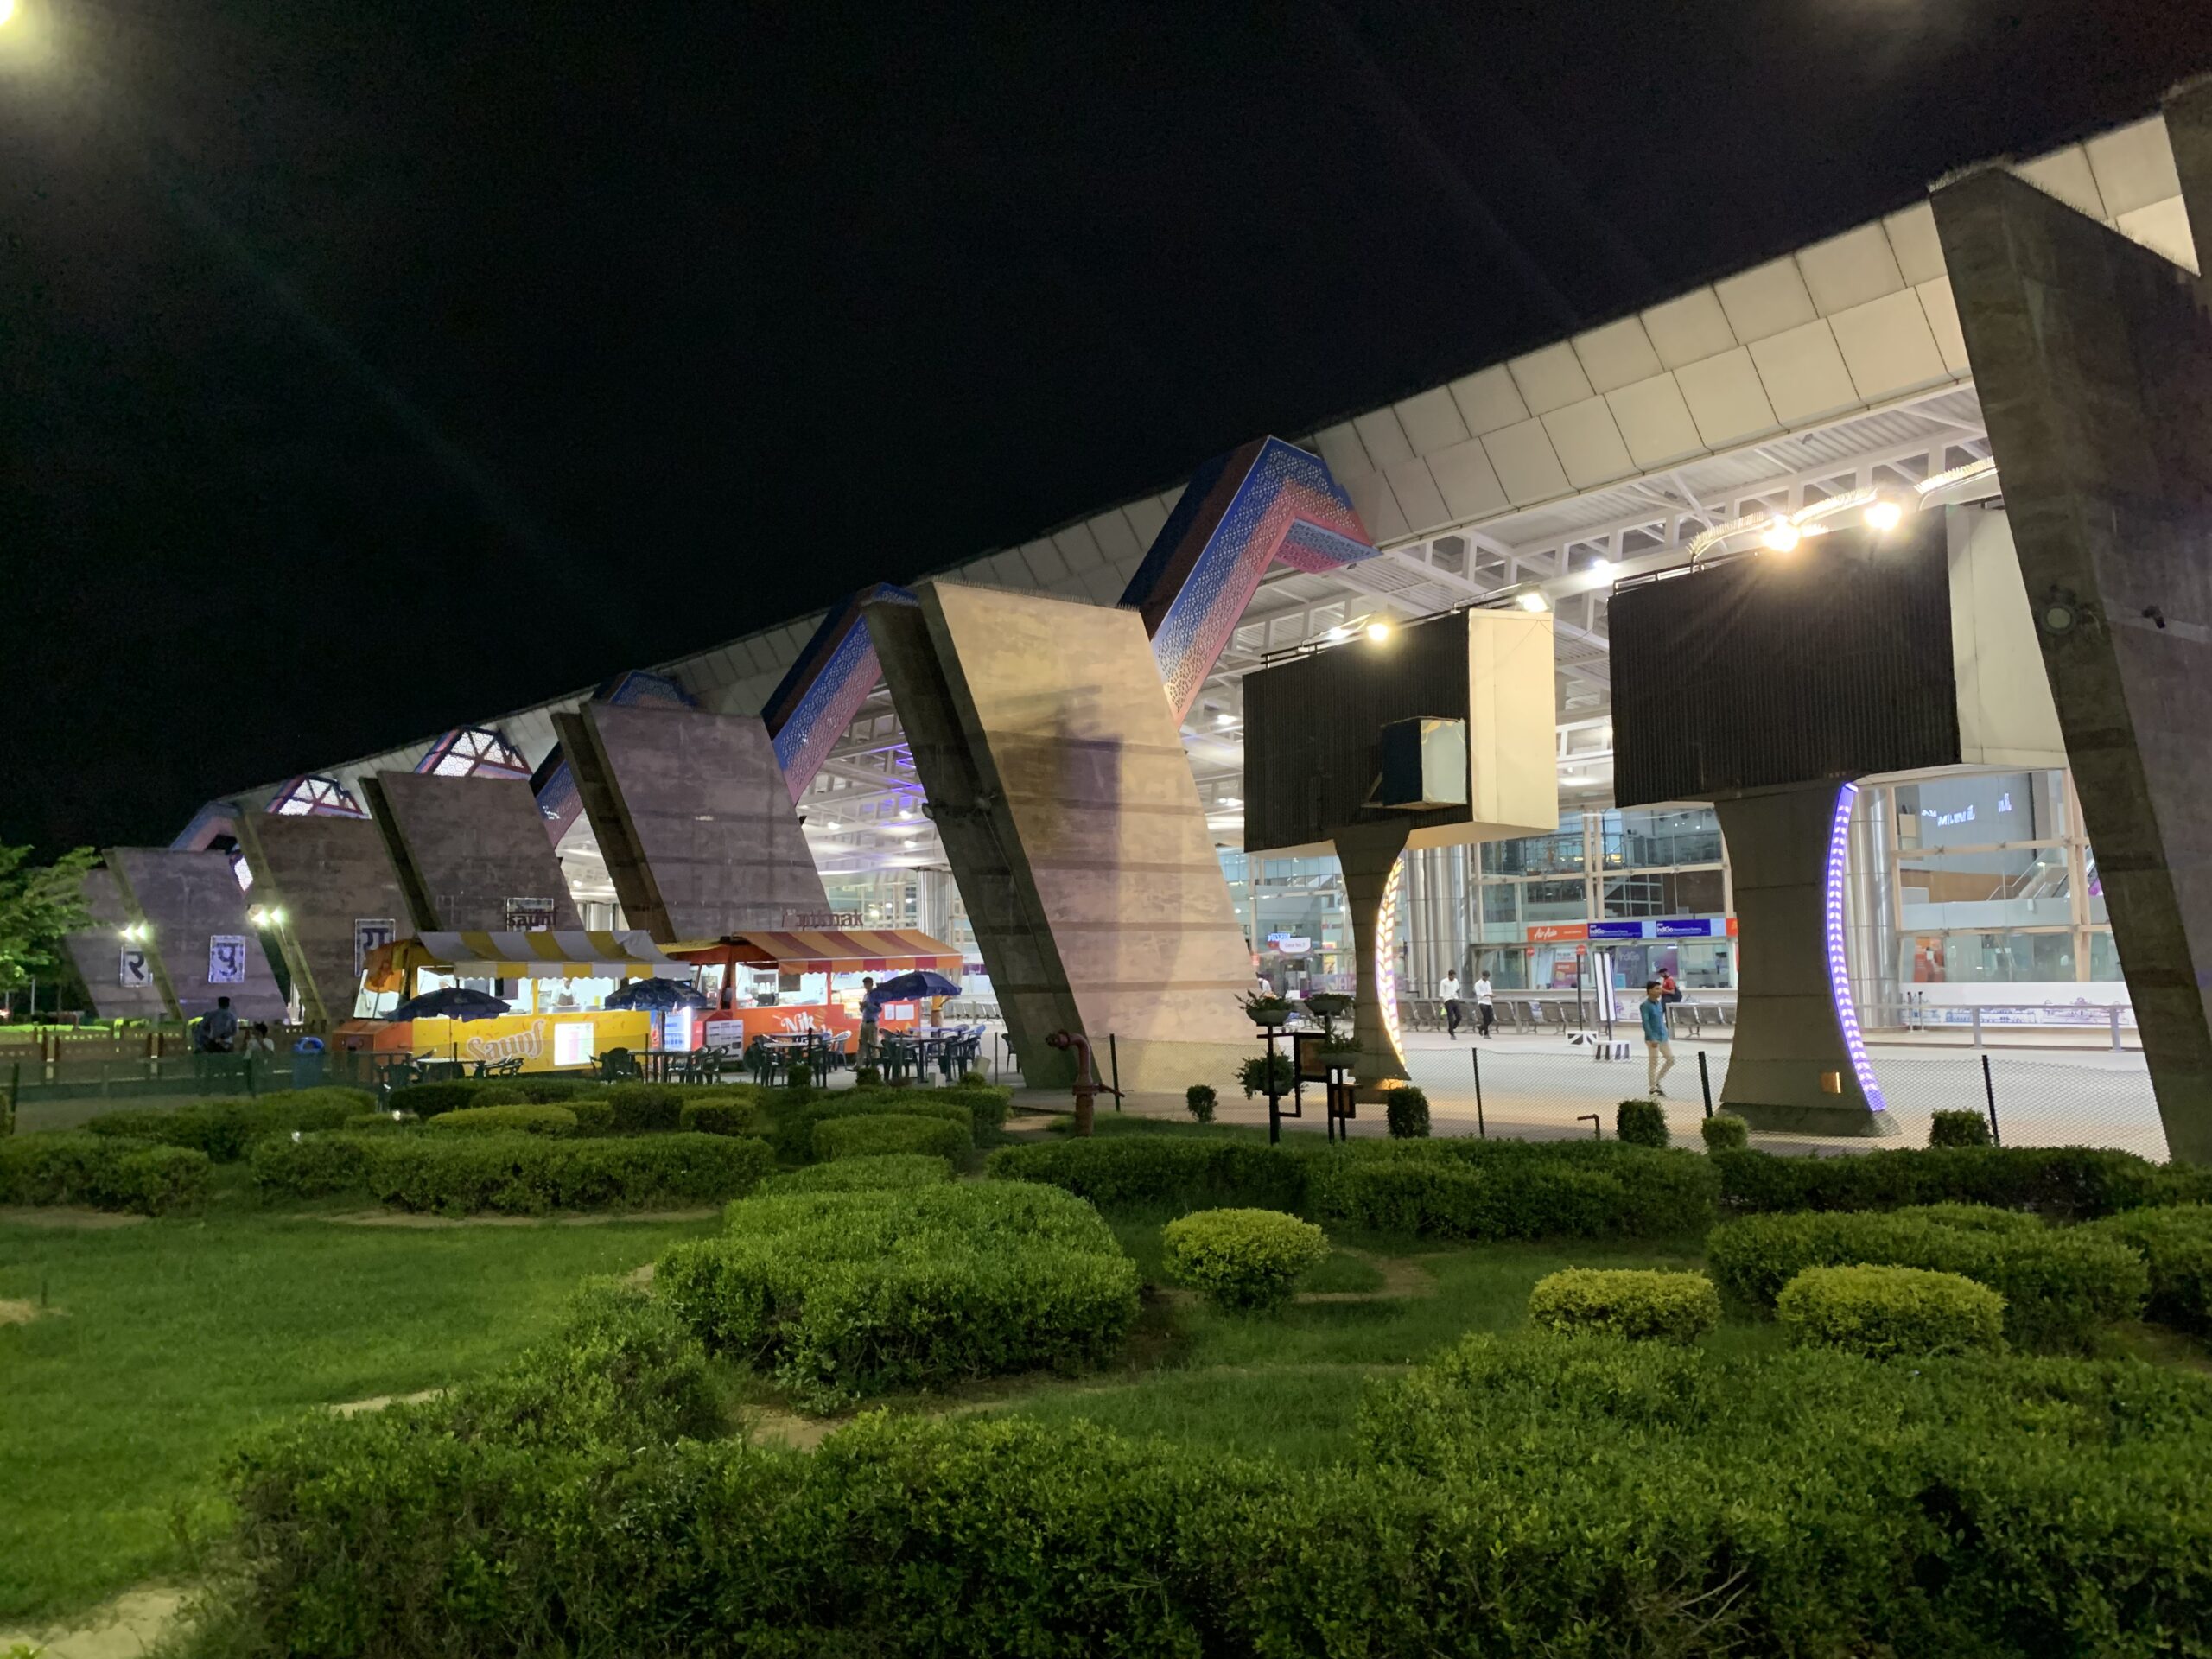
point(1641, 1123)
point(1189, 1172)
point(224, 1129)
point(2067, 1183)
point(595, 1113)
point(2176, 1243)
point(1564, 1496)
point(639, 1107)
point(514, 1174)
point(505, 1120)
point(1885, 1312)
point(1487, 1189)
point(869, 1174)
point(2059, 1284)
point(988, 1104)
point(875, 1136)
point(719, 1113)
point(795, 1121)
point(1958, 1128)
point(103, 1171)
point(1241, 1259)
point(1405, 1113)
point(1724, 1132)
point(845, 1294)
point(523, 1089)
point(1638, 1303)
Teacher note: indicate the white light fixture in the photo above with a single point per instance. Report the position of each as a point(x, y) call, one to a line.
point(1231, 800)
point(1224, 720)
point(1884, 516)
point(1337, 634)
point(1602, 565)
point(1377, 631)
point(7, 12)
point(1781, 536)
point(1532, 599)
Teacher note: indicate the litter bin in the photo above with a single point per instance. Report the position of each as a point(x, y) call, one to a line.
point(307, 1063)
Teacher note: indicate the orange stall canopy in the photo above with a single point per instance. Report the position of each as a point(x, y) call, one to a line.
point(860, 950)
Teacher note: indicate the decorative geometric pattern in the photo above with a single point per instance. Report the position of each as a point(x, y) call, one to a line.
point(814, 704)
point(555, 785)
point(1240, 512)
point(472, 752)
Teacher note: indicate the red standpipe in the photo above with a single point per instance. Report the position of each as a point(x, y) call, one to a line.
point(1086, 1078)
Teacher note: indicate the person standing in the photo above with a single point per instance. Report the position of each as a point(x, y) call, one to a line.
point(1447, 993)
point(1658, 1052)
point(218, 1028)
point(869, 1008)
point(1486, 1012)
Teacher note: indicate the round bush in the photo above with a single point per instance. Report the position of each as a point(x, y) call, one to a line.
point(1406, 1110)
point(877, 1133)
point(1880, 1312)
point(729, 1115)
point(1241, 1258)
point(1200, 1099)
point(2176, 1242)
point(1958, 1129)
point(499, 1120)
point(1725, 1132)
point(1627, 1302)
point(1641, 1123)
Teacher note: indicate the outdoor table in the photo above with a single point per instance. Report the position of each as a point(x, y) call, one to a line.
point(655, 1064)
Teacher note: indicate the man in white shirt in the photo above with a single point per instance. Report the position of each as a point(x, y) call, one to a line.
point(1486, 1014)
point(1447, 993)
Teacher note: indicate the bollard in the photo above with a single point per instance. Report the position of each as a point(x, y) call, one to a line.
point(1977, 1025)
point(1481, 1132)
point(1989, 1091)
point(2113, 1013)
point(1704, 1082)
point(1114, 1061)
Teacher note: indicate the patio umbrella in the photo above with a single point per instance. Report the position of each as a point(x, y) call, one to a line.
point(657, 996)
point(454, 1002)
point(906, 986)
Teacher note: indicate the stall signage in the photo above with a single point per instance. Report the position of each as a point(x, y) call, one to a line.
point(529, 915)
point(1732, 927)
point(226, 959)
point(370, 934)
point(132, 971)
point(1551, 932)
point(818, 921)
point(1684, 927)
point(725, 1033)
point(1290, 944)
point(1617, 930)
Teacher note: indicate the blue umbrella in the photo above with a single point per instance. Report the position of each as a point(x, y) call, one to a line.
point(656, 996)
point(454, 1002)
point(906, 986)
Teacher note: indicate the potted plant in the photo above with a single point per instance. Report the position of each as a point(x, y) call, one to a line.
point(1340, 1049)
point(1268, 1010)
point(1265, 1074)
point(1327, 1006)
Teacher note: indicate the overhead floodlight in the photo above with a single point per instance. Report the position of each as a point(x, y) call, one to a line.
point(1884, 516)
point(1532, 598)
point(1602, 565)
point(1781, 536)
point(1377, 631)
point(1337, 635)
point(1224, 720)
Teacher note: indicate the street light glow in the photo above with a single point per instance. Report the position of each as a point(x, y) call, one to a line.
point(7, 12)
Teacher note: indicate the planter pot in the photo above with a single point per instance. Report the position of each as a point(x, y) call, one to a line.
point(1329, 1005)
point(1269, 1016)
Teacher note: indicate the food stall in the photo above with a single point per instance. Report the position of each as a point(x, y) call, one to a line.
point(779, 983)
point(555, 985)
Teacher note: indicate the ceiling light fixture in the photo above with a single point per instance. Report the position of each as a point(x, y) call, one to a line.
point(1533, 599)
point(1781, 535)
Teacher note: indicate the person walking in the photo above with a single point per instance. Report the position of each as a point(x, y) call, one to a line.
point(1447, 993)
point(1658, 1052)
point(1486, 1012)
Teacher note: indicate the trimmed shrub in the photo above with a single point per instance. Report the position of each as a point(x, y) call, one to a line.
point(720, 1114)
point(427, 1100)
point(639, 1107)
point(1243, 1259)
point(372, 1123)
point(2066, 1183)
point(1191, 1172)
point(503, 1120)
point(2058, 1284)
point(988, 1104)
point(530, 1175)
point(844, 1294)
point(975, 1078)
point(1641, 1124)
point(1881, 1312)
point(224, 1129)
point(876, 1135)
point(795, 1121)
point(103, 1171)
point(2177, 1243)
point(316, 1166)
point(549, 1088)
point(1724, 1132)
point(1485, 1190)
point(1626, 1302)
point(866, 1174)
point(1957, 1129)
point(1406, 1113)
point(1199, 1100)
point(867, 1077)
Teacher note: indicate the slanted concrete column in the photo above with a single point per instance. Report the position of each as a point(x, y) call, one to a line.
point(463, 847)
point(1797, 1062)
point(190, 902)
point(98, 954)
point(333, 880)
point(1368, 854)
point(2093, 358)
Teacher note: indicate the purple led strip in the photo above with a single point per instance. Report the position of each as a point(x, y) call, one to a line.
point(1846, 1013)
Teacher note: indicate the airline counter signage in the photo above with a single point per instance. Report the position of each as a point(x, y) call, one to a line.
point(1558, 932)
point(1615, 930)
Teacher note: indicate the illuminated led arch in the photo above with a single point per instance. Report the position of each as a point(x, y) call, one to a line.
point(1847, 1012)
point(1386, 957)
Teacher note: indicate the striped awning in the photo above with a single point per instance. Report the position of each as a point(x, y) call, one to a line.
point(470, 954)
point(856, 950)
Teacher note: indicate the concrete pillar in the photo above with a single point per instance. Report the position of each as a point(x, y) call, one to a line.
point(1368, 854)
point(334, 883)
point(464, 848)
point(118, 991)
point(2093, 358)
point(1797, 1062)
point(196, 915)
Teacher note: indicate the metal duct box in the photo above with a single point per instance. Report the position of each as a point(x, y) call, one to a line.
point(1424, 765)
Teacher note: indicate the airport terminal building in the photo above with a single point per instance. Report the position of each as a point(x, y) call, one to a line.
point(1764, 417)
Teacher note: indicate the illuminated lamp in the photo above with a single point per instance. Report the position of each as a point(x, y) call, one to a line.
point(1532, 599)
point(1781, 536)
point(1883, 515)
point(1377, 631)
point(1386, 955)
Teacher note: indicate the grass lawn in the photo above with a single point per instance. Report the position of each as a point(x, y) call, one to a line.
point(172, 1338)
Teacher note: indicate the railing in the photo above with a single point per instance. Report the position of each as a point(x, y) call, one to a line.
point(1974, 1021)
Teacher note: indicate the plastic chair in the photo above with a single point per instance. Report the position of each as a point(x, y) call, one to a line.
point(618, 1066)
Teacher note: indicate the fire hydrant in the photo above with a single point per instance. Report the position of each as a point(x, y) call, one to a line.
point(1086, 1081)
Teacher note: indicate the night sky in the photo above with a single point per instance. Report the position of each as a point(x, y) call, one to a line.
point(367, 368)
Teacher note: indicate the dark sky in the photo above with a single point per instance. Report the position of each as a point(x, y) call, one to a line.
point(368, 367)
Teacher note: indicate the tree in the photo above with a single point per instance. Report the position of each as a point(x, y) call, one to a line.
point(39, 903)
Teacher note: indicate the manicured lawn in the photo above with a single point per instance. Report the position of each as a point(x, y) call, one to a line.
point(171, 1338)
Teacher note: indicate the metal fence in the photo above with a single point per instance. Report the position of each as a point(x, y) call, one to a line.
point(98, 1072)
point(1540, 1086)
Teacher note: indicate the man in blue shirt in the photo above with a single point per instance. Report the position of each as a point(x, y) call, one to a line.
point(1658, 1052)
